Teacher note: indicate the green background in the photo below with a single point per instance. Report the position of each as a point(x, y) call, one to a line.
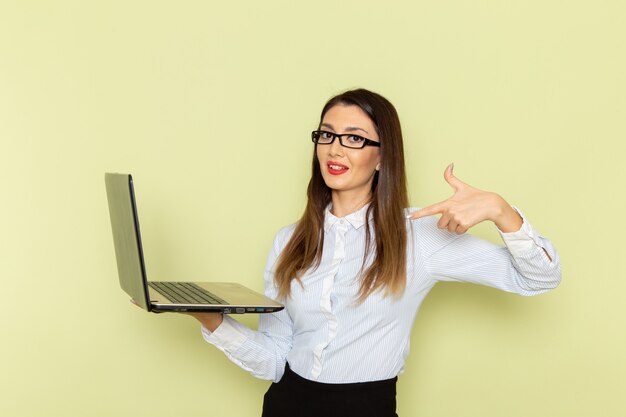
point(210, 104)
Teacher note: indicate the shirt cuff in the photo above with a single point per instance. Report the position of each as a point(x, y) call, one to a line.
point(524, 240)
point(228, 337)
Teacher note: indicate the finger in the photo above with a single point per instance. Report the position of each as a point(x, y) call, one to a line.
point(460, 230)
point(454, 182)
point(428, 211)
point(452, 226)
point(444, 221)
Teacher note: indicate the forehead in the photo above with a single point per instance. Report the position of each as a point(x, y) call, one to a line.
point(341, 117)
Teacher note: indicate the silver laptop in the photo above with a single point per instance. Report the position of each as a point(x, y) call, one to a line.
point(227, 297)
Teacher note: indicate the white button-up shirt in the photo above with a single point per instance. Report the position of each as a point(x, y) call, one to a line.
point(327, 337)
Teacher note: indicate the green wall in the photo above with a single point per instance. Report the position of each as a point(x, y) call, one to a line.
point(210, 104)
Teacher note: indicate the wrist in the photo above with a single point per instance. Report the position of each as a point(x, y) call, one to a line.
point(212, 321)
point(506, 218)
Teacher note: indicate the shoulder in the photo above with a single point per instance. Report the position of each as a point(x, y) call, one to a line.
point(280, 241)
point(282, 236)
point(425, 233)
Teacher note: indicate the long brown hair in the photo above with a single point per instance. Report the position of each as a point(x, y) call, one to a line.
point(389, 199)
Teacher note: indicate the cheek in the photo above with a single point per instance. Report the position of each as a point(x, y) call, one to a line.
point(319, 156)
point(367, 161)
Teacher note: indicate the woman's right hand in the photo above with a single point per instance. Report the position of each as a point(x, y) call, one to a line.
point(211, 321)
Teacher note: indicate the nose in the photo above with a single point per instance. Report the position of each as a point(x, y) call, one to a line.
point(335, 148)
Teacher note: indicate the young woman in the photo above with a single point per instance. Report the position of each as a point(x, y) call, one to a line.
point(353, 271)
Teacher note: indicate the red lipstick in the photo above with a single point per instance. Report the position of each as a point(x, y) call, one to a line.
point(335, 168)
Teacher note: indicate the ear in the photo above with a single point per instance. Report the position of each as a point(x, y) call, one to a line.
point(378, 166)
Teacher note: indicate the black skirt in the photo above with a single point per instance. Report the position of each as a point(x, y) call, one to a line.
point(297, 396)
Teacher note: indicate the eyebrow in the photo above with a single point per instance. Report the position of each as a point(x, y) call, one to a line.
point(348, 129)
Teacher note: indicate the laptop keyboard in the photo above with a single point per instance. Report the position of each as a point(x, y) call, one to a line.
point(186, 293)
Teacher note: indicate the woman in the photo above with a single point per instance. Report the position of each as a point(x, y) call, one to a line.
point(354, 270)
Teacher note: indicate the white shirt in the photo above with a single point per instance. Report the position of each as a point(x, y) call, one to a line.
point(327, 337)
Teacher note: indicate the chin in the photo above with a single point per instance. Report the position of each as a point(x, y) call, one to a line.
point(334, 183)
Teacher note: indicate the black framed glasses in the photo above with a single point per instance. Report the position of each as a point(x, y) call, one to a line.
point(347, 140)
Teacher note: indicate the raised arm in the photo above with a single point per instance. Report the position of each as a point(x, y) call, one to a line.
point(528, 265)
point(469, 206)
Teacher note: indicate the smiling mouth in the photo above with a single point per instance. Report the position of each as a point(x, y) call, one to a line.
point(336, 169)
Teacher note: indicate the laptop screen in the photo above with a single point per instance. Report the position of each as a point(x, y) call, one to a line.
point(126, 237)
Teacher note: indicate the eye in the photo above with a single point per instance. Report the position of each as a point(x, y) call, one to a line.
point(355, 139)
point(326, 135)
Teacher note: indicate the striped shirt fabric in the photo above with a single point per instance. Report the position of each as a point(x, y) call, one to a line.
point(327, 337)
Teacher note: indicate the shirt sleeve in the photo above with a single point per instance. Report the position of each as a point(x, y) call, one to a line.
point(263, 353)
point(528, 264)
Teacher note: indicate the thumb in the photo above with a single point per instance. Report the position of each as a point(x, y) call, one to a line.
point(454, 182)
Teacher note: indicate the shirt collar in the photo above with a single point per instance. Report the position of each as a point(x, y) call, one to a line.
point(356, 219)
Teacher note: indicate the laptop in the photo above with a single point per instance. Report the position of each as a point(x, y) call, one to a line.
point(163, 296)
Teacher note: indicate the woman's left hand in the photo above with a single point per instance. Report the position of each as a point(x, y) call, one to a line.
point(469, 206)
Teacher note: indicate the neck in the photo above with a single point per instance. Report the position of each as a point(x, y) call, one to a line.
point(347, 203)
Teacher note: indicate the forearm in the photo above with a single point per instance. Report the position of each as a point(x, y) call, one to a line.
point(509, 220)
point(262, 353)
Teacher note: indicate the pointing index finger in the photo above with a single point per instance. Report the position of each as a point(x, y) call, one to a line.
point(427, 211)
